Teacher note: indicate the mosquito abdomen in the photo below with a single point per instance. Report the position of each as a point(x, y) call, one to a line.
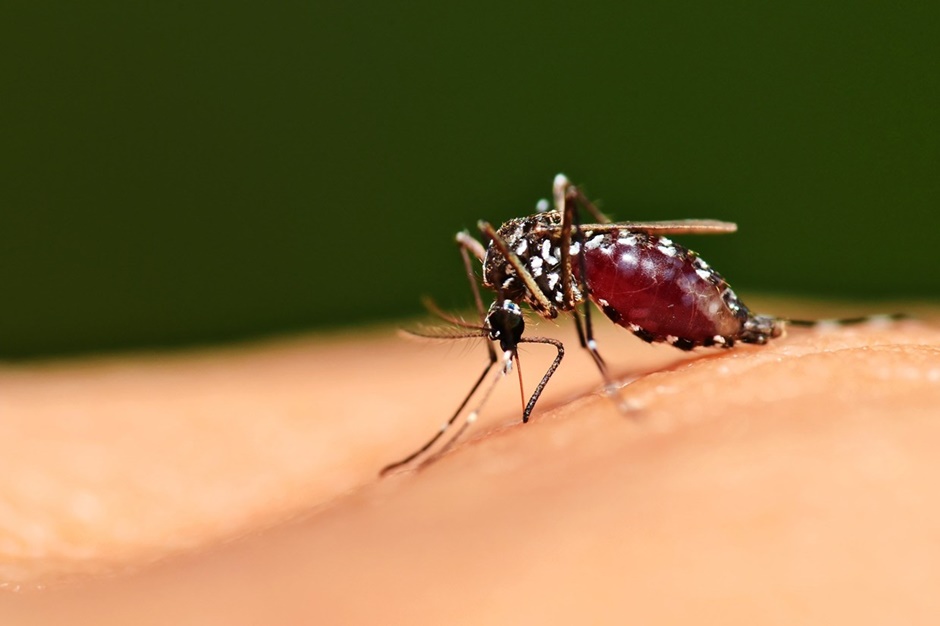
point(660, 290)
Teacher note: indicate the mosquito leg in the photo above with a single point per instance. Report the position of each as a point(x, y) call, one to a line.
point(572, 238)
point(467, 245)
point(470, 245)
point(575, 195)
point(472, 416)
point(849, 321)
point(568, 199)
point(466, 241)
point(548, 373)
point(507, 360)
point(590, 344)
point(446, 425)
point(566, 210)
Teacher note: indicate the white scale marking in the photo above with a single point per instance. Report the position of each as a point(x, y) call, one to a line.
point(594, 242)
point(547, 252)
point(536, 264)
point(553, 279)
point(629, 258)
point(704, 274)
point(522, 247)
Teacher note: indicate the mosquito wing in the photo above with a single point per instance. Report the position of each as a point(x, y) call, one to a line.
point(670, 227)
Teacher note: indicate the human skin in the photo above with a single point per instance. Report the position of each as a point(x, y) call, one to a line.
point(787, 483)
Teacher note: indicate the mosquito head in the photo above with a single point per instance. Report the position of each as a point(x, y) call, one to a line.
point(505, 323)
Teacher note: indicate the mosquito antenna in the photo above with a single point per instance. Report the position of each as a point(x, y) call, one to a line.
point(437, 311)
point(439, 332)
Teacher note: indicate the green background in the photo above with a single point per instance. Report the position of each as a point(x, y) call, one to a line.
point(179, 173)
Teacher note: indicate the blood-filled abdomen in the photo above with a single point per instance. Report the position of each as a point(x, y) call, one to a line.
point(659, 290)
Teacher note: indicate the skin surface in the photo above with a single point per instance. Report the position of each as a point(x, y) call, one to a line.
point(788, 483)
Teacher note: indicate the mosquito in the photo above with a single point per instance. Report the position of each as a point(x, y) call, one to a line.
point(638, 277)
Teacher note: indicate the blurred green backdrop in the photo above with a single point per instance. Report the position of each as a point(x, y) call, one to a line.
point(178, 173)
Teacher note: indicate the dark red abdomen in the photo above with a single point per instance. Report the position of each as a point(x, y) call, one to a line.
point(659, 290)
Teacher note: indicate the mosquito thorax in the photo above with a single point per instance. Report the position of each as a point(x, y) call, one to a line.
point(535, 240)
point(505, 323)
